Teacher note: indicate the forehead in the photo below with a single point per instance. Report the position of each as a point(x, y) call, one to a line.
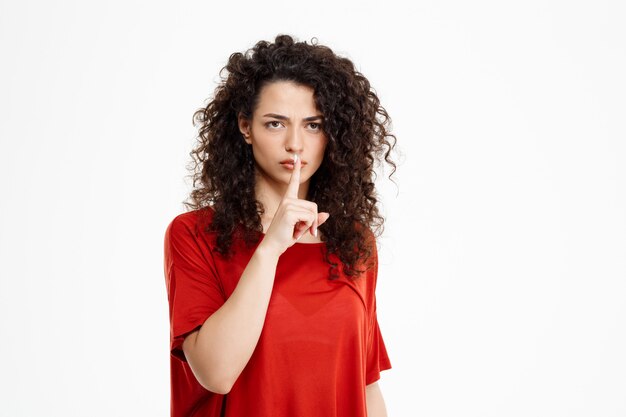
point(286, 96)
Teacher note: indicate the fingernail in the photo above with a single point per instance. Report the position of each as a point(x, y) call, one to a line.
point(295, 158)
point(315, 232)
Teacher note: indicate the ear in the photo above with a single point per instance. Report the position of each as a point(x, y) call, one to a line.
point(244, 127)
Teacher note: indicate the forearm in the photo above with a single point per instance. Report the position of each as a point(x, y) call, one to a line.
point(225, 342)
point(374, 401)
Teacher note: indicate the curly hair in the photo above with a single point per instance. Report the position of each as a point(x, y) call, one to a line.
point(357, 128)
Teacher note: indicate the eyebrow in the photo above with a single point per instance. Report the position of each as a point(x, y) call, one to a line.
point(281, 117)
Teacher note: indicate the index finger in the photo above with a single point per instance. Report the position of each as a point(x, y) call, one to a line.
point(294, 181)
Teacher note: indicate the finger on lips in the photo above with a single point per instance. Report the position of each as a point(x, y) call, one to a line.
point(292, 192)
point(294, 182)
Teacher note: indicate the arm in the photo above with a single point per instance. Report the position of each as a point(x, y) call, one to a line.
point(374, 400)
point(221, 348)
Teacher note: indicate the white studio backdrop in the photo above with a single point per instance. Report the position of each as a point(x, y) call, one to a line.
point(502, 273)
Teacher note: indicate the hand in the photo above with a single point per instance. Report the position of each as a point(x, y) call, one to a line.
point(293, 216)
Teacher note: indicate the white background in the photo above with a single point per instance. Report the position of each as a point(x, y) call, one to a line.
point(502, 280)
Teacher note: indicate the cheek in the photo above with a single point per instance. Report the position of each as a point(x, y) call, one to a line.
point(263, 146)
point(322, 150)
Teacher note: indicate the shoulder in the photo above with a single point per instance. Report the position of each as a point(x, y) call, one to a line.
point(193, 217)
point(186, 242)
point(189, 223)
point(371, 263)
point(370, 241)
point(366, 231)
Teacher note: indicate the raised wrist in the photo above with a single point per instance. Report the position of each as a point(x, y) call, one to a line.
point(268, 250)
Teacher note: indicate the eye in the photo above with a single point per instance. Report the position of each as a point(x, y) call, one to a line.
point(315, 126)
point(271, 124)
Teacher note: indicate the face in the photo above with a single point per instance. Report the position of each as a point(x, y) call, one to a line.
point(285, 121)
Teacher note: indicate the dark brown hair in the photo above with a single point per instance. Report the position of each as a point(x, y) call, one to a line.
point(356, 125)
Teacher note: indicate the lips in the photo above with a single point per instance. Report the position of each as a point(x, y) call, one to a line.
point(290, 162)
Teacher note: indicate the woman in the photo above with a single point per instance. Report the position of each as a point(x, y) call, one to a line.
point(271, 276)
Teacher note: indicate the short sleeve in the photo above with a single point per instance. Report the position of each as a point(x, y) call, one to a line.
point(377, 359)
point(193, 288)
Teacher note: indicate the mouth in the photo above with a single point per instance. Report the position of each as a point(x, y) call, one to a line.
point(288, 163)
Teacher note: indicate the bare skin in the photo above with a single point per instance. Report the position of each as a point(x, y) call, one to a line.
point(375, 401)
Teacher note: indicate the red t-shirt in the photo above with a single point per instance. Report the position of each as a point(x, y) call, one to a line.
point(320, 344)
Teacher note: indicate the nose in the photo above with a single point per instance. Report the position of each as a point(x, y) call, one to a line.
point(294, 140)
